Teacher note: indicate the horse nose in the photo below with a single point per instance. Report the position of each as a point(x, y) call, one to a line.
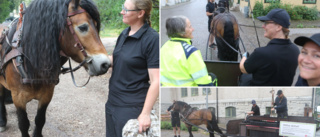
point(104, 67)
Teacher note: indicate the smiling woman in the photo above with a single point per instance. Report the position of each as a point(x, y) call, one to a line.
point(309, 60)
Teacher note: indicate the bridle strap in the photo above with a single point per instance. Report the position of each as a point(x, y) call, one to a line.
point(78, 43)
point(76, 12)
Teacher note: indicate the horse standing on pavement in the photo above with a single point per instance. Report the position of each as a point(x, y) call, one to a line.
point(34, 48)
point(197, 117)
point(225, 30)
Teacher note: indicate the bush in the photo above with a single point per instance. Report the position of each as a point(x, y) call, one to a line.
point(295, 12)
point(167, 125)
point(258, 9)
point(111, 18)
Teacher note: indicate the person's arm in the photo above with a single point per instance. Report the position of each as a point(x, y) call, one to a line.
point(282, 105)
point(250, 113)
point(209, 14)
point(111, 60)
point(241, 65)
point(152, 95)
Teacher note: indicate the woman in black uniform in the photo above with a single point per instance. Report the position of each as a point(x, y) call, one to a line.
point(209, 11)
point(134, 83)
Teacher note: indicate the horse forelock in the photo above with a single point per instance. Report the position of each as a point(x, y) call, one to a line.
point(92, 10)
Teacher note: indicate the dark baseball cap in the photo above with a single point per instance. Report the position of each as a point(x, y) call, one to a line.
point(279, 92)
point(279, 16)
point(303, 39)
point(253, 102)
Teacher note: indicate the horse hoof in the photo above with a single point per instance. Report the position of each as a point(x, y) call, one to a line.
point(2, 129)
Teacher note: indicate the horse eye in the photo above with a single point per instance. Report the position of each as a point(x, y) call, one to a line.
point(83, 28)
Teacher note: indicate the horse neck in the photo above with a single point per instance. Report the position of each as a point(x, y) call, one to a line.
point(186, 111)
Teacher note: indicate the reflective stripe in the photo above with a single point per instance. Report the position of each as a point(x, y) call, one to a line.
point(200, 73)
point(164, 79)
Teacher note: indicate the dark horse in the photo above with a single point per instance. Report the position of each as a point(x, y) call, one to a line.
point(224, 29)
point(197, 117)
point(53, 31)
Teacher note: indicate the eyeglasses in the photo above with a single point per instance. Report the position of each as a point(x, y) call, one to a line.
point(126, 10)
point(268, 22)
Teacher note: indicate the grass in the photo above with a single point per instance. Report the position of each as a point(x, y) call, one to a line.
point(167, 125)
point(110, 32)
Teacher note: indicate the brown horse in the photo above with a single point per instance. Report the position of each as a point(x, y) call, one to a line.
point(35, 47)
point(197, 117)
point(225, 30)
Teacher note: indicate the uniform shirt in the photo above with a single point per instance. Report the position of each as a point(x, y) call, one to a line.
point(174, 114)
point(182, 64)
point(273, 65)
point(302, 82)
point(132, 57)
point(281, 104)
point(256, 110)
point(210, 8)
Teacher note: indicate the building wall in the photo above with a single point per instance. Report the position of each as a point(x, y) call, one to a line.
point(240, 98)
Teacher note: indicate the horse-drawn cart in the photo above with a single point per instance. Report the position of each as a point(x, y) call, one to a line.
point(262, 126)
point(227, 72)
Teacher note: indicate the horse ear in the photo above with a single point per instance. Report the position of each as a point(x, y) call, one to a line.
point(74, 4)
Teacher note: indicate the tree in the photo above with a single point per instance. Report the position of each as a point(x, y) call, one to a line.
point(5, 10)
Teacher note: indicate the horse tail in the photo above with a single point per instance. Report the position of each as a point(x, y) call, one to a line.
point(225, 52)
point(214, 123)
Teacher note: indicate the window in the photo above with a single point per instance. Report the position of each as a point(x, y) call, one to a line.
point(270, 1)
point(268, 110)
point(213, 110)
point(230, 112)
point(309, 1)
point(204, 91)
point(184, 92)
point(194, 92)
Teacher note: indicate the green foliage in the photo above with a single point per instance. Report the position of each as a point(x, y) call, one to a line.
point(300, 25)
point(5, 10)
point(258, 9)
point(167, 125)
point(111, 18)
point(295, 12)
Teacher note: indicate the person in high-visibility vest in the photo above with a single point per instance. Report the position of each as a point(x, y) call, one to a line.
point(181, 63)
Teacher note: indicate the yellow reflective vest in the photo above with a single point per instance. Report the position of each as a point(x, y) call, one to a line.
point(182, 64)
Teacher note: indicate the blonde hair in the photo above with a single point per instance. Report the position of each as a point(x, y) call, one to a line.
point(286, 32)
point(145, 5)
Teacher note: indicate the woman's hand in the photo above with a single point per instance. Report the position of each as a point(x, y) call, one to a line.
point(144, 122)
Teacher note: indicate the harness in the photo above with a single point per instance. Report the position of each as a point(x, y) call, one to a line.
point(16, 54)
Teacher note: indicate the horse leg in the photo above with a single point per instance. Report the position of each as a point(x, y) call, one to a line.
point(20, 101)
point(41, 113)
point(3, 112)
point(209, 127)
point(189, 130)
point(23, 120)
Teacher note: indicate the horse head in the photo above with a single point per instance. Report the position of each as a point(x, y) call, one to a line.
point(84, 43)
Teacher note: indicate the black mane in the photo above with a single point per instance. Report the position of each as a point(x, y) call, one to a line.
point(43, 22)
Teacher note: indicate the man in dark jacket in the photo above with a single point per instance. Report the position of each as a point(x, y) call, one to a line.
point(281, 105)
point(255, 110)
point(175, 121)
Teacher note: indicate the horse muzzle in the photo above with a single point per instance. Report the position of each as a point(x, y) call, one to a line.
point(98, 64)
